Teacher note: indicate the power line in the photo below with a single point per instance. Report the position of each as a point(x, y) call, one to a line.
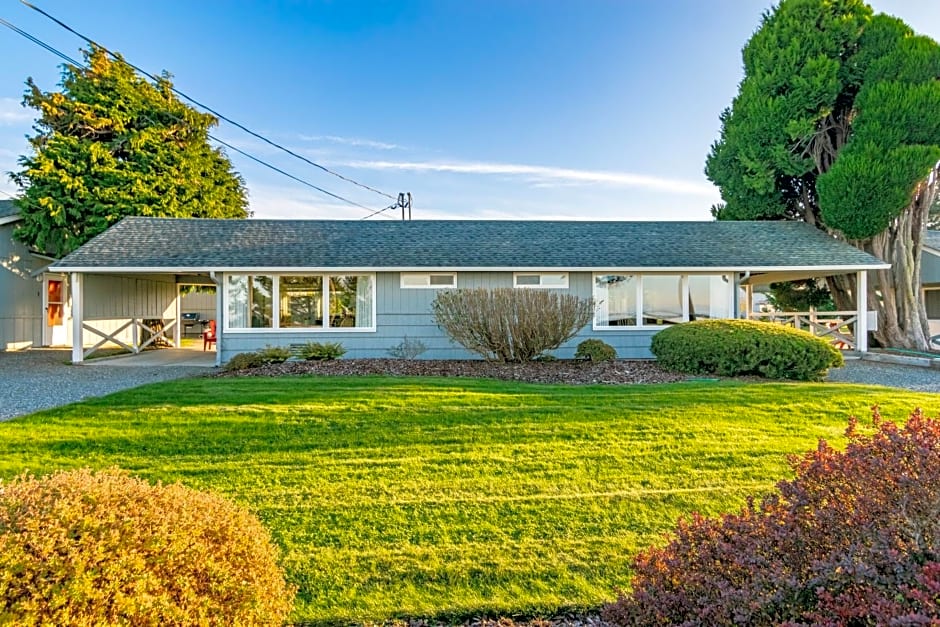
point(78, 64)
point(206, 107)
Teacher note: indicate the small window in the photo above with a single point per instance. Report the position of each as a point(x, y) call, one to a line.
point(428, 280)
point(540, 279)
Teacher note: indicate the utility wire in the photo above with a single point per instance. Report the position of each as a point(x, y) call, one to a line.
point(375, 213)
point(208, 108)
point(78, 64)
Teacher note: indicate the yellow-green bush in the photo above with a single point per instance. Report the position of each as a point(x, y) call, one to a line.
point(744, 347)
point(89, 548)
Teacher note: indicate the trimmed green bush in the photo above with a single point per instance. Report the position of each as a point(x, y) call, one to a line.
point(744, 347)
point(244, 361)
point(104, 548)
point(595, 350)
point(321, 351)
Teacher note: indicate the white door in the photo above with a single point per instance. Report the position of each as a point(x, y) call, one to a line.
point(54, 332)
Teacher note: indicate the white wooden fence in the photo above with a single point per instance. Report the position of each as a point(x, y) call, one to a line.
point(137, 328)
point(836, 326)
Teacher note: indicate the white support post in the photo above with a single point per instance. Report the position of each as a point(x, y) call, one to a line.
point(219, 316)
point(748, 301)
point(861, 304)
point(78, 313)
point(179, 321)
point(135, 336)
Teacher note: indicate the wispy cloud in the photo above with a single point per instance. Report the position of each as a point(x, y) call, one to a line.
point(12, 112)
point(545, 175)
point(351, 141)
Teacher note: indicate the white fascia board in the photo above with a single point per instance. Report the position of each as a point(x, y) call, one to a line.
point(336, 269)
point(932, 251)
point(10, 219)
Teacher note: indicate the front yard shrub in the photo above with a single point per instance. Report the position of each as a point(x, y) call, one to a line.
point(104, 548)
point(321, 351)
point(744, 347)
point(595, 350)
point(853, 539)
point(244, 361)
point(408, 348)
point(274, 354)
point(506, 324)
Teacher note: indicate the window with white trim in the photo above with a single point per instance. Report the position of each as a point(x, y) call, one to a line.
point(655, 300)
point(300, 301)
point(557, 280)
point(428, 280)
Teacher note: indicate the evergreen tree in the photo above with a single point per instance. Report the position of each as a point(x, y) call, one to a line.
point(837, 123)
point(110, 144)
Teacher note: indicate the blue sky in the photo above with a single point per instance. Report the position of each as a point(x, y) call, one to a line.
point(501, 109)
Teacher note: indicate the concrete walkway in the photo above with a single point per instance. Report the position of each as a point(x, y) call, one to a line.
point(157, 358)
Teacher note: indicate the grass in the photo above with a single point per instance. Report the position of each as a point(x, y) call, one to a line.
point(445, 497)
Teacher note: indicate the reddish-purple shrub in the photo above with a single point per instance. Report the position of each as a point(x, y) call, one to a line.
point(854, 538)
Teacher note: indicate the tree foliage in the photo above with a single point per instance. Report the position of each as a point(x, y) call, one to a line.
point(837, 123)
point(110, 144)
point(800, 296)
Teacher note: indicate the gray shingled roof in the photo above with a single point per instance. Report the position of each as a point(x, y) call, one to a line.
point(194, 244)
point(7, 208)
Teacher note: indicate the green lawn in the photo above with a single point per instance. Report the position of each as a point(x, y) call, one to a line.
point(438, 497)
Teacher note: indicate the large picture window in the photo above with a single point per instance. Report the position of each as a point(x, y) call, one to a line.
point(351, 301)
point(615, 295)
point(250, 302)
point(301, 299)
point(315, 302)
point(709, 297)
point(661, 299)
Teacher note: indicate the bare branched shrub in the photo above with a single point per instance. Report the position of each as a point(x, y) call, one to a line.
point(506, 324)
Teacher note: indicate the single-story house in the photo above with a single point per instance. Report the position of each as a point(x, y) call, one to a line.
point(370, 284)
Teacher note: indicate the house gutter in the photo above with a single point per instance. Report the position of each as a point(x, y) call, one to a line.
point(737, 290)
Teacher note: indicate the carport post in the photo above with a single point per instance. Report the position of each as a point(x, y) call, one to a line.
point(78, 304)
point(177, 336)
point(861, 303)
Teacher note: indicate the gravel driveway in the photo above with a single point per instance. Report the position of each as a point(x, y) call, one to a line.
point(875, 373)
point(38, 379)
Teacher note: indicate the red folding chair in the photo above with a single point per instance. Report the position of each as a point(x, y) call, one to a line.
point(208, 336)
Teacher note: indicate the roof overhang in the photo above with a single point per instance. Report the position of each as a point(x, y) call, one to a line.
point(795, 271)
point(10, 219)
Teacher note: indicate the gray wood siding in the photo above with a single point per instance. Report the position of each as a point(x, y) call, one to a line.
point(407, 312)
point(20, 294)
point(200, 303)
point(110, 301)
point(930, 269)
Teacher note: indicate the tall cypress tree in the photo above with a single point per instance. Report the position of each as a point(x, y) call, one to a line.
point(837, 123)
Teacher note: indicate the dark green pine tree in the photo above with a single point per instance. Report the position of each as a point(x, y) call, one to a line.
point(837, 123)
point(110, 144)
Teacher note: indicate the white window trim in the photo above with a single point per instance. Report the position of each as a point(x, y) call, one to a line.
point(639, 302)
point(276, 305)
point(515, 281)
point(428, 285)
